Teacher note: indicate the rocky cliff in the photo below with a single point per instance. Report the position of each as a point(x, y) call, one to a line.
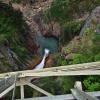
point(93, 21)
point(34, 28)
point(84, 41)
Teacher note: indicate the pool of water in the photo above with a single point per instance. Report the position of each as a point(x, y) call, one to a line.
point(50, 43)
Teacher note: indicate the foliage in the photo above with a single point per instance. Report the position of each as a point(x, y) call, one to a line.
point(66, 83)
point(11, 29)
point(64, 10)
point(16, 1)
point(11, 22)
point(78, 58)
point(92, 83)
point(88, 50)
point(51, 85)
point(19, 49)
point(70, 29)
point(28, 92)
point(60, 61)
point(97, 57)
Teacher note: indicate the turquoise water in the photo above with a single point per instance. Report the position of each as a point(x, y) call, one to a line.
point(50, 43)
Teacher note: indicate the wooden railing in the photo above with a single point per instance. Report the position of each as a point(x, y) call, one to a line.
point(24, 78)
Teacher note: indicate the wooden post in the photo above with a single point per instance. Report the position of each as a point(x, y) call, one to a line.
point(22, 91)
point(81, 95)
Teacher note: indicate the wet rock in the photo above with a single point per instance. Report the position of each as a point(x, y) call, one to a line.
point(93, 21)
point(51, 29)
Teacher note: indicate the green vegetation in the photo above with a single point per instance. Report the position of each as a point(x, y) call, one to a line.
point(70, 29)
point(51, 85)
point(64, 10)
point(10, 22)
point(92, 83)
point(11, 29)
point(16, 1)
point(87, 51)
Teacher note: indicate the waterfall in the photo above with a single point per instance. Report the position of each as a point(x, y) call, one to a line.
point(42, 63)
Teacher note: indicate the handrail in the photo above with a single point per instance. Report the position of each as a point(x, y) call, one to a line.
point(92, 68)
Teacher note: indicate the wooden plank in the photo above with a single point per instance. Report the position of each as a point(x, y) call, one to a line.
point(58, 97)
point(62, 97)
point(63, 73)
point(77, 69)
point(39, 89)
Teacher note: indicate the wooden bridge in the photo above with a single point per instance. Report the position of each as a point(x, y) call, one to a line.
point(9, 81)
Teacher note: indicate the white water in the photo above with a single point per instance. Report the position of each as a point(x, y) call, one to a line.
point(42, 63)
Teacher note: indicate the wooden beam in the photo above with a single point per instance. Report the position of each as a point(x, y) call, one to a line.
point(39, 89)
point(7, 90)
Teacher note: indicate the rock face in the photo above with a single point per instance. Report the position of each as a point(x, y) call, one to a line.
point(38, 28)
point(32, 11)
point(83, 41)
point(51, 29)
point(93, 21)
point(35, 27)
point(9, 61)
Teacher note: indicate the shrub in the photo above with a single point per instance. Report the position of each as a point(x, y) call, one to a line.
point(70, 30)
point(97, 57)
point(92, 83)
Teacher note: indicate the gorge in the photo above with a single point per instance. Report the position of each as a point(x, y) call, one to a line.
point(70, 29)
